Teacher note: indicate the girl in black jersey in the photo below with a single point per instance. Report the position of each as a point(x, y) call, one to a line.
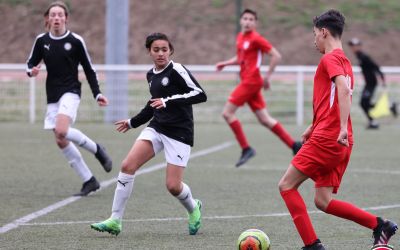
point(62, 51)
point(173, 90)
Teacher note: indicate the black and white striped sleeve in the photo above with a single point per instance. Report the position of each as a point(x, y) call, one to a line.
point(87, 66)
point(195, 94)
point(35, 56)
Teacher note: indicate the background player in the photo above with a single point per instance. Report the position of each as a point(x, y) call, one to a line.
point(250, 46)
point(62, 51)
point(173, 90)
point(370, 70)
point(328, 141)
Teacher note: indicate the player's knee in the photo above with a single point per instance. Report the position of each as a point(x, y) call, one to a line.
point(320, 203)
point(128, 167)
point(283, 185)
point(226, 115)
point(60, 133)
point(173, 187)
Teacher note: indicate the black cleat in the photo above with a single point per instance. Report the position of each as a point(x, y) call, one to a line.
point(317, 245)
point(103, 158)
point(247, 153)
point(296, 147)
point(89, 186)
point(373, 125)
point(393, 109)
point(384, 231)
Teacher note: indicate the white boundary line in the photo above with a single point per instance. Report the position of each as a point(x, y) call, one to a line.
point(217, 217)
point(25, 219)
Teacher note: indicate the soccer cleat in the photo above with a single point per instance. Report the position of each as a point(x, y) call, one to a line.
point(373, 125)
point(112, 226)
point(296, 147)
point(247, 153)
point(103, 158)
point(317, 245)
point(89, 186)
point(195, 218)
point(384, 231)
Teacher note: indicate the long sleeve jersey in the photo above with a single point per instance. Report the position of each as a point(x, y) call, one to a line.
point(179, 90)
point(369, 69)
point(62, 56)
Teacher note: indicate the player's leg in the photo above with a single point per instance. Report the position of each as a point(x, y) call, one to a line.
point(230, 117)
point(141, 152)
point(177, 155)
point(288, 186)
point(365, 103)
point(73, 156)
point(276, 127)
point(69, 104)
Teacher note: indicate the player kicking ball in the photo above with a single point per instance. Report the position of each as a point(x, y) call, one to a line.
point(328, 142)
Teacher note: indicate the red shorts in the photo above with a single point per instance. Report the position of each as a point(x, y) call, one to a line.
point(324, 161)
point(248, 93)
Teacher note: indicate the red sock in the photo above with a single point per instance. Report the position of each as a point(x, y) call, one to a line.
point(283, 134)
point(350, 212)
point(298, 211)
point(238, 131)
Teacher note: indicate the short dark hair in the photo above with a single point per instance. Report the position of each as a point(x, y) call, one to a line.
point(332, 20)
point(158, 36)
point(249, 11)
point(59, 4)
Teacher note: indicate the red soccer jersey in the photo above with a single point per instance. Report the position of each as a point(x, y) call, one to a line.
point(249, 48)
point(326, 120)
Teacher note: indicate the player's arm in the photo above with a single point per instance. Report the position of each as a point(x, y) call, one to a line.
point(144, 116)
point(90, 73)
point(193, 92)
point(376, 68)
point(275, 58)
point(344, 99)
point(33, 62)
point(222, 64)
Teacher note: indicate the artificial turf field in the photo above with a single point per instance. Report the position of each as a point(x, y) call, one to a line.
point(36, 183)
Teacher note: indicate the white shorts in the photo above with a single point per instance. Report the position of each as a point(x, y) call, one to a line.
point(67, 105)
point(176, 152)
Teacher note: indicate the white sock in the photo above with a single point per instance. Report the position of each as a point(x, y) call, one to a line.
point(76, 161)
point(122, 194)
point(81, 139)
point(185, 197)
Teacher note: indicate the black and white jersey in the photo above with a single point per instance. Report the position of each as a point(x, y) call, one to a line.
point(62, 56)
point(179, 90)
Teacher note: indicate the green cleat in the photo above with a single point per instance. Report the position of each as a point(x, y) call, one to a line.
point(112, 226)
point(195, 219)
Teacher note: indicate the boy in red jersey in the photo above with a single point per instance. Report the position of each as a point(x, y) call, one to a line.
point(328, 142)
point(250, 46)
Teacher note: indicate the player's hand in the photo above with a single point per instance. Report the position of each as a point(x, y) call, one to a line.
point(157, 103)
point(306, 135)
point(343, 138)
point(102, 100)
point(220, 66)
point(35, 70)
point(267, 84)
point(122, 126)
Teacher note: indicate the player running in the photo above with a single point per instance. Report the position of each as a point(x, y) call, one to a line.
point(328, 141)
point(173, 90)
point(62, 51)
point(250, 46)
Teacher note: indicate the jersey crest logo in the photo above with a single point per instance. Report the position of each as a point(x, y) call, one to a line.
point(165, 81)
point(246, 45)
point(47, 46)
point(67, 46)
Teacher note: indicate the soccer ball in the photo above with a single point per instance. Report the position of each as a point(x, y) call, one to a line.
point(382, 247)
point(253, 239)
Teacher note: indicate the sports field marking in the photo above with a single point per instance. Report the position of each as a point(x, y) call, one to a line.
point(220, 217)
point(25, 219)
